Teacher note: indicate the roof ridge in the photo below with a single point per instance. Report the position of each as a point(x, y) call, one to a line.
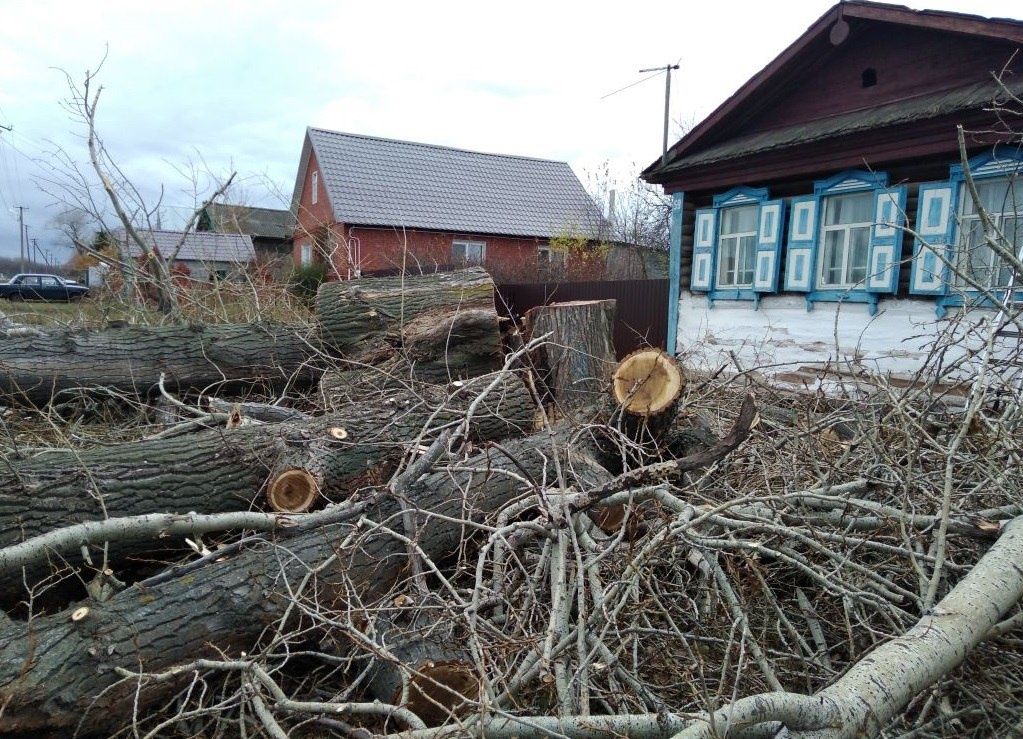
point(436, 146)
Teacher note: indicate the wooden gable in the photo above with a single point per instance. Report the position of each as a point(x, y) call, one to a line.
point(858, 59)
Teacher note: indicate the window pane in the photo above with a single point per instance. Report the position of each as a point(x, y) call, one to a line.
point(975, 256)
point(726, 262)
point(997, 196)
point(859, 245)
point(831, 258)
point(747, 253)
point(739, 220)
point(856, 208)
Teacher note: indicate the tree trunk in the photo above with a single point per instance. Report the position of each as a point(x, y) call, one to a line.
point(58, 674)
point(575, 364)
point(222, 470)
point(129, 361)
point(444, 325)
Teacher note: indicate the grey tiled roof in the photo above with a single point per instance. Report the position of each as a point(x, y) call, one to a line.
point(970, 97)
point(266, 222)
point(200, 246)
point(383, 182)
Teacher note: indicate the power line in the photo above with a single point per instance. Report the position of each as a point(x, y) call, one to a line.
point(623, 89)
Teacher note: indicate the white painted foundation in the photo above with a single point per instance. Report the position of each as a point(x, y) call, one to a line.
point(782, 336)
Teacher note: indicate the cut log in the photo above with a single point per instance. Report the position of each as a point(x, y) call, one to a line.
point(57, 674)
point(647, 383)
point(445, 324)
point(129, 361)
point(222, 470)
point(574, 366)
point(262, 412)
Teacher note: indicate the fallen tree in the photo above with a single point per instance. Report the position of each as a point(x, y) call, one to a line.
point(130, 361)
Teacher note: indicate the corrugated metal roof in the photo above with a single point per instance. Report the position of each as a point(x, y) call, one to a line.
point(383, 182)
point(199, 246)
point(267, 222)
point(970, 97)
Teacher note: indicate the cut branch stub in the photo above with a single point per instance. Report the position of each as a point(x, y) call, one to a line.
point(647, 383)
point(437, 665)
point(292, 491)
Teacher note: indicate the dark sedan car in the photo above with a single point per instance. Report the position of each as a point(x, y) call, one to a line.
point(42, 287)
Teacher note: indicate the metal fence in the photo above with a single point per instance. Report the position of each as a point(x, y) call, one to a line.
point(641, 318)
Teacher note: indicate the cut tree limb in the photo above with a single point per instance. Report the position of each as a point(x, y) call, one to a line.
point(130, 360)
point(870, 694)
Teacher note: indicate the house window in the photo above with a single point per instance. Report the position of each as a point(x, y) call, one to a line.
point(548, 257)
point(737, 247)
point(315, 195)
point(845, 240)
point(306, 254)
point(977, 262)
point(468, 252)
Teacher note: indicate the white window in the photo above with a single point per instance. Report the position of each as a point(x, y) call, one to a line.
point(306, 254)
point(548, 257)
point(315, 186)
point(737, 247)
point(977, 260)
point(845, 240)
point(468, 252)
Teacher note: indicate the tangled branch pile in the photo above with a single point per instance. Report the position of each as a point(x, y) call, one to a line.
point(451, 538)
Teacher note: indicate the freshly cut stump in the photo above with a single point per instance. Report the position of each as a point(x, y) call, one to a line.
point(292, 491)
point(647, 383)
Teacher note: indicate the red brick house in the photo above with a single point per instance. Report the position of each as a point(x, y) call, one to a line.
point(365, 204)
point(819, 214)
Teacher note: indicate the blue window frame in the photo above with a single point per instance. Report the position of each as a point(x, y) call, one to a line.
point(736, 246)
point(951, 243)
point(844, 241)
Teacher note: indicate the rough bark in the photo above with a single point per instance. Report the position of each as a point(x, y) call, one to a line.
point(223, 470)
point(130, 360)
point(58, 674)
point(444, 325)
point(574, 366)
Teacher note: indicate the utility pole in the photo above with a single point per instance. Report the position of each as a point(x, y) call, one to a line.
point(21, 232)
point(35, 250)
point(667, 100)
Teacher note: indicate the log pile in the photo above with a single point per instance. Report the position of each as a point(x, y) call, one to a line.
point(447, 540)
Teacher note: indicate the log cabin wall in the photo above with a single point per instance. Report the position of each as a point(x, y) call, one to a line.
point(888, 98)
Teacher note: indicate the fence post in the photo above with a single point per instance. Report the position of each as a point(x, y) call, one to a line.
point(674, 270)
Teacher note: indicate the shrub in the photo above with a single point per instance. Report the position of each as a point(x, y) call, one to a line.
point(305, 281)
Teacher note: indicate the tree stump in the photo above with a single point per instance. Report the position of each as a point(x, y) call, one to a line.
point(574, 366)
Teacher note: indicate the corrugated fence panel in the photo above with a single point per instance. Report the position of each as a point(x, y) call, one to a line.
point(642, 306)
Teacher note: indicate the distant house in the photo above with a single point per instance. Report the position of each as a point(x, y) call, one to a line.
point(204, 254)
point(366, 204)
point(820, 215)
point(271, 229)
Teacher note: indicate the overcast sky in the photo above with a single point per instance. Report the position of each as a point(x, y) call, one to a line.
point(232, 85)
